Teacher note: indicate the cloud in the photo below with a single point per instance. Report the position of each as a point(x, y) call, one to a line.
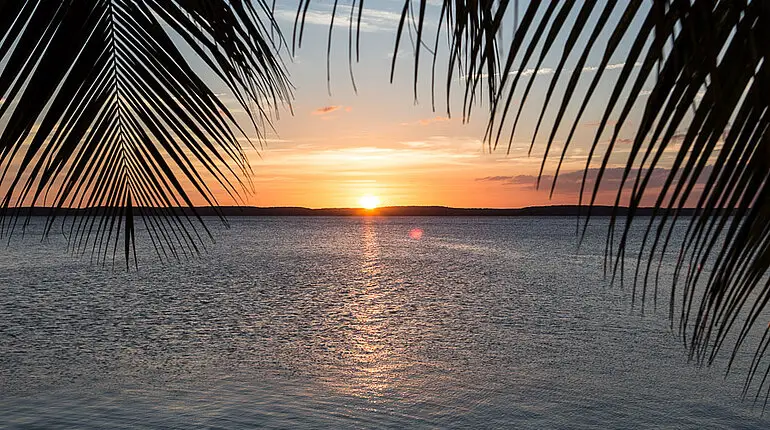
point(609, 66)
point(453, 144)
point(610, 123)
point(363, 161)
point(678, 138)
point(416, 144)
point(550, 71)
point(427, 121)
point(570, 182)
point(372, 20)
point(698, 96)
point(327, 109)
point(497, 179)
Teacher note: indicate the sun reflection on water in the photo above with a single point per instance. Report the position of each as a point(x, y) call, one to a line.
point(374, 354)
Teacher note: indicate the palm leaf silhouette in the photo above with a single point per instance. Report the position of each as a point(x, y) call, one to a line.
point(102, 112)
point(707, 61)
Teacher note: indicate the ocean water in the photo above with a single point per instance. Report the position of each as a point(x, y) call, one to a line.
point(350, 323)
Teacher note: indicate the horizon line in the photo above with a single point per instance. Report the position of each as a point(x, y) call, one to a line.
point(386, 211)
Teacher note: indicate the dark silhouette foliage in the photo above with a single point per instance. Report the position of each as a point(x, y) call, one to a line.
point(101, 110)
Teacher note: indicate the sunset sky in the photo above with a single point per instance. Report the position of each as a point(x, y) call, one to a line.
point(336, 148)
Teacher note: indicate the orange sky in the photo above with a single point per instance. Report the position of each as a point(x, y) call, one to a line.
point(339, 147)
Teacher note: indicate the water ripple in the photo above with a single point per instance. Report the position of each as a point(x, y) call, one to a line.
point(348, 323)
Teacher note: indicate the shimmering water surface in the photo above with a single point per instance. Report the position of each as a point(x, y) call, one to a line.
point(349, 322)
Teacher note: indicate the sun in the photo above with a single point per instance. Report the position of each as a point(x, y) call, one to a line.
point(369, 202)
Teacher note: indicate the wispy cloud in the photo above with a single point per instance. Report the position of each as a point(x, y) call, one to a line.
point(610, 123)
point(326, 110)
point(551, 71)
point(496, 179)
point(698, 96)
point(570, 182)
point(609, 66)
point(427, 121)
point(372, 20)
point(384, 161)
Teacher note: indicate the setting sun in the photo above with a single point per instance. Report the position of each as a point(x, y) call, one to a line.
point(369, 201)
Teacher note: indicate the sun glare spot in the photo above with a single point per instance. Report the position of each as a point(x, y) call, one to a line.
point(369, 202)
point(415, 233)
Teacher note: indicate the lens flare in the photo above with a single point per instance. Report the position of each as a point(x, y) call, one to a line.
point(415, 233)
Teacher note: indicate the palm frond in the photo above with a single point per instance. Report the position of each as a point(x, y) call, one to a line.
point(100, 110)
point(706, 62)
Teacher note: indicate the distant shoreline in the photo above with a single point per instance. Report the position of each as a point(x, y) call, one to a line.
point(388, 211)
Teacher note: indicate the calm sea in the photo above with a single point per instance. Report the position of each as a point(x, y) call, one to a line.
point(350, 323)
